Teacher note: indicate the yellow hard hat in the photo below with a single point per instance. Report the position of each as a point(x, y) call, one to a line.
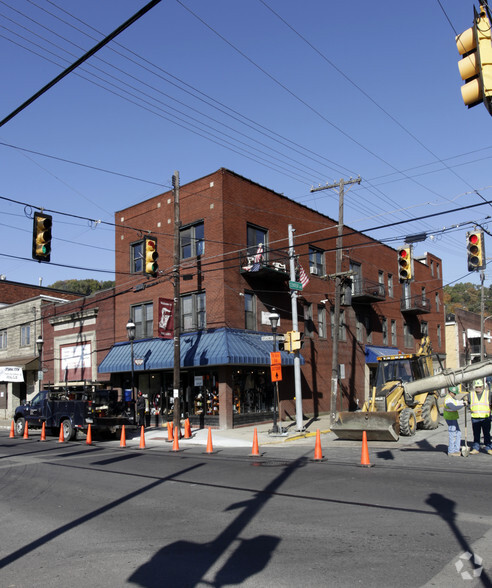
point(478, 383)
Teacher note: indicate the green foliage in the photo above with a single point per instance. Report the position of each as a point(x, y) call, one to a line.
point(468, 297)
point(85, 287)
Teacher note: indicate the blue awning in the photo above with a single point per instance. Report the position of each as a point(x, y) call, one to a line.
point(373, 352)
point(222, 346)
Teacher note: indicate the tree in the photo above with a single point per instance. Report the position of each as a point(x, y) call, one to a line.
point(84, 287)
point(468, 297)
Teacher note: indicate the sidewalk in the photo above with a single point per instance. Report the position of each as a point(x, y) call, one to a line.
point(289, 437)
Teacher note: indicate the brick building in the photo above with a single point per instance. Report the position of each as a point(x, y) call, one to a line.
point(234, 269)
point(464, 338)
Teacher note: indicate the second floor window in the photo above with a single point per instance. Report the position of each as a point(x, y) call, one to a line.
point(3, 339)
point(192, 240)
point(308, 320)
point(25, 338)
point(316, 262)
point(250, 311)
point(322, 322)
point(390, 285)
point(256, 236)
point(193, 311)
point(385, 331)
point(143, 317)
point(393, 332)
point(136, 257)
point(407, 336)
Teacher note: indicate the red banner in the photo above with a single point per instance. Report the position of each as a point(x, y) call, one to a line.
point(166, 318)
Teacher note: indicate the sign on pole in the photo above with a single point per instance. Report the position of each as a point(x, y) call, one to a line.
point(276, 367)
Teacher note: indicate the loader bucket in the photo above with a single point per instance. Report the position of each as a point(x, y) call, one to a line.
point(379, 426)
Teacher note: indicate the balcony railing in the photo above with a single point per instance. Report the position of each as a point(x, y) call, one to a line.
point(365, 290)
point(415, 305)
point(265, 264)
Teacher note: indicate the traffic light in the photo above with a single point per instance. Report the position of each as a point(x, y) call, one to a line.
point(297, 340)
point(287, 343)
point(150, 256)
point(405, 264)
point(41, 236)
point(475, 250)
point(475, 46)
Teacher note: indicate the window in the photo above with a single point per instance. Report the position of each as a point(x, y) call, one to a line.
point(342, 333)
point(193, 315)
point(250, 311)
point(432, 268)
point(439, 335)
point(424, 329)
point(437, 302)
point(143, 317)
point(357, 277)
point(381, 279)
point(25, 335)
point(385, 331)
point(322, 322)
point(192, 241)
point(136, 257)
point(256, 236)
point(390, 285)
point(308, 320)
point(368, 325)
point(358, 328)
point(407, 336)
point(3, 339)
point(393, 332)
point(316, 262)
point(438, 268)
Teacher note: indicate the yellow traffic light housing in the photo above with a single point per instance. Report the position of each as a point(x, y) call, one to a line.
point(405, 264)
point(475, 251)
point(297, 340)
point(41, 236)
point(475, 45)
point(288, 341)
point(150, 257)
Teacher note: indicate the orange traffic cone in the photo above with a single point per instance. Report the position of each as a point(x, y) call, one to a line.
point(88, 441)
point(364, 458)
point(43, 432)
point(123, 437)
point(26, 430)
point(176, 439)
point(169, 432)
point(61, 438)
point(210, 448)
point(318, 454)
point(142, 438)
point(255, 450)
point(188, 434)
point(12, 431)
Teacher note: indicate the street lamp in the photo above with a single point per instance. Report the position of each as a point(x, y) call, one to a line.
point(274, 318)
point(130, 331)
point(39, 345)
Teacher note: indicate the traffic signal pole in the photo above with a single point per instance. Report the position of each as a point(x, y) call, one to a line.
point(338, 290)
point(295, 327)
point(177, 307)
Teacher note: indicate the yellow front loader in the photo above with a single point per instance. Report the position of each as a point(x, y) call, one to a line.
point(405, 396)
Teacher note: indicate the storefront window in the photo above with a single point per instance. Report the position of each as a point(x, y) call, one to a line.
point(252, 391)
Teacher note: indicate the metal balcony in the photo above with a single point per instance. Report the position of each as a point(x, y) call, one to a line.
point(268, 264)
point(365, 290)
point(415, 305)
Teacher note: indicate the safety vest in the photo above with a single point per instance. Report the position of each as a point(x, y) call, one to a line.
point(479, 407)
point(449, 415)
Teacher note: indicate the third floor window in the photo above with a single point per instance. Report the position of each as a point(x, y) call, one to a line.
point(192, 242)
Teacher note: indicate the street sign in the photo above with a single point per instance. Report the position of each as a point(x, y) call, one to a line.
point(275, 358)
point(295, 286)
point(276, 371)
point(270, 337)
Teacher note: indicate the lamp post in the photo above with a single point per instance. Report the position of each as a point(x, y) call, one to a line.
point(130, 331)
point(274, 318)
point(39, 345)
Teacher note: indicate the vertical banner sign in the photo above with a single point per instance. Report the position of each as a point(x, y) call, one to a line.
point(166, 318)
point(276, 367)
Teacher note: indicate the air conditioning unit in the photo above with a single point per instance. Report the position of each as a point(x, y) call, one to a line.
point(314, 270)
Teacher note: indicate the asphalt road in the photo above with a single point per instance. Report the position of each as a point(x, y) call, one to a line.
point(103, 515)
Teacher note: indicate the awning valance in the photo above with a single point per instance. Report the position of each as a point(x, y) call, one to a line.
point(373, 352)
point(474, 334)
point(222, 346)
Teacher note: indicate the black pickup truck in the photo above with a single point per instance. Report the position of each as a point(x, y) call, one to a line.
point(74, 411)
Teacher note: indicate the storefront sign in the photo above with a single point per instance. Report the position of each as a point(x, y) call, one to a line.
point(198, 381)
point(75, 362)
point(166, 318)
point(11, 374)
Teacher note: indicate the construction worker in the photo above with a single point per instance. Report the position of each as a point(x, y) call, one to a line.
point(479, 400)
point(450, 413)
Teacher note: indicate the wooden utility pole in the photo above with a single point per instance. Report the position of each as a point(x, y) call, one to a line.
point(177, 307)
point(338, 270)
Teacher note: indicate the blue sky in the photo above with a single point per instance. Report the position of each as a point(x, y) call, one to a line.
point(289, 94)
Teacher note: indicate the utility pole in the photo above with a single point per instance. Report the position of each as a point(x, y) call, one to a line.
point(482, 315)
point(338, 269)
point(177, 307)
point(295, 327)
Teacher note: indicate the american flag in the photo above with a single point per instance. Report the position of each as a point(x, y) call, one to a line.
point(303, 277)
point(257, 260)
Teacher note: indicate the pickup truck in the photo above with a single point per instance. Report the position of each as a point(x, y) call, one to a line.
point(74, 411)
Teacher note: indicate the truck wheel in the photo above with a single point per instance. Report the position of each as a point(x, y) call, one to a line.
point(408, 422)
point(20, 423)
point(430, 413)
point(68, 430)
